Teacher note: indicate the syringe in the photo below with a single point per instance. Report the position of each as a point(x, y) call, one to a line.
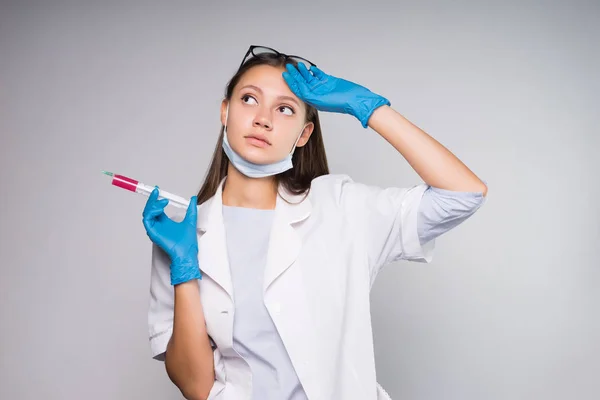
point(138, 187)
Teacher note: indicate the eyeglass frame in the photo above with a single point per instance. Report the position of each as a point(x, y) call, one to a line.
point(278, 53)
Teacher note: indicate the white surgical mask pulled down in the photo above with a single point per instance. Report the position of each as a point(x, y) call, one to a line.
point(251, 169)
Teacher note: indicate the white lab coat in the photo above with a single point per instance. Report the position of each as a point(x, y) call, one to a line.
point(324, 254)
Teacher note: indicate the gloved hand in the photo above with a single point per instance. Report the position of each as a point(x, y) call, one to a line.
point(178, 239)
point(328, 93)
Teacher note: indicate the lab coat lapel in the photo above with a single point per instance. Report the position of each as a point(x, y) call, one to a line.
point(286, 298)
point(285, 243)
point(212, 247)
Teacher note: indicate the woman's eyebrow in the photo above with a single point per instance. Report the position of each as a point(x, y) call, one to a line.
point(288, 98)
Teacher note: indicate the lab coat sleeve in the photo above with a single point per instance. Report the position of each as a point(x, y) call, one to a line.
point(442, 210)
point(385, 222)
point(162, 296)
point(162, 301)
point(160, 317)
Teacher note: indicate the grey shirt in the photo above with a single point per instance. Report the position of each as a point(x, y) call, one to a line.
point(255, 337)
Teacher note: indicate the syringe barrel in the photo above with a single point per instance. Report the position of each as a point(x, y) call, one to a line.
point(125, 182)
point(174, 200)
point(132, 185)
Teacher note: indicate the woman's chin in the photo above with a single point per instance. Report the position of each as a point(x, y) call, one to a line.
point(257, 156)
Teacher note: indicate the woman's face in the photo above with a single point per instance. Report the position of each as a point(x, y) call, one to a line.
point(265, 117)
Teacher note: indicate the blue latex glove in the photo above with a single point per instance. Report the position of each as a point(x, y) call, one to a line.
point(178, 239)
point(328, 93)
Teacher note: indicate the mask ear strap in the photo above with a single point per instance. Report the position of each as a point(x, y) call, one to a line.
point(226, 116)
point(299, 136)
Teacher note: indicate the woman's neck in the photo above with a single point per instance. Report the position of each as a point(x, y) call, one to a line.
point(241, 191)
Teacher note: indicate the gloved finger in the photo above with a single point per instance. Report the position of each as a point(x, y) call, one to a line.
point(152, 216)
point(293, 84)
point(152, 234)
point(150, 220)
point(148, 224)
point(302, 89)
point(294, 73)
point(153, 195)
point(308, 77)
point(151, 200)
point(152, 210)
point(318, 73)
point(191, 214)
point(159, 207)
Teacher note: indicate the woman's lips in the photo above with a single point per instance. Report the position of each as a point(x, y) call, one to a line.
point(253, 140)
point(258, 140)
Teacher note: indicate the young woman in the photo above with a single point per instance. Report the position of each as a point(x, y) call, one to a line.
point(261, 290)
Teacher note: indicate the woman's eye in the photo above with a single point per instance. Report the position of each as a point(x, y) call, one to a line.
point(287, 110)
point(247, 98)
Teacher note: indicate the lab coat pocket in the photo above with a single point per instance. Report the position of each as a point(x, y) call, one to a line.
point(220, 376)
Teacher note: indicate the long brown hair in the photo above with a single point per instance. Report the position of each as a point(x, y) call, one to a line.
point(310, 160)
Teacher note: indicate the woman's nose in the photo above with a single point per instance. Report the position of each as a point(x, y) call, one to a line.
point(263, 121)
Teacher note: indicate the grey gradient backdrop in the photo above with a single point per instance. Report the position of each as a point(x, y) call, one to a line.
point(507, 310)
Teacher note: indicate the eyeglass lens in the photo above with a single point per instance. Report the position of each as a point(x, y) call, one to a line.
point(265, 50)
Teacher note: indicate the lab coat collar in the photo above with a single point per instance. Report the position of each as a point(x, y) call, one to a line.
point(294, 208)
point(284, 245)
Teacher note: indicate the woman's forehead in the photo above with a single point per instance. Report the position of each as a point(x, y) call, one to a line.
point(267, 79)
